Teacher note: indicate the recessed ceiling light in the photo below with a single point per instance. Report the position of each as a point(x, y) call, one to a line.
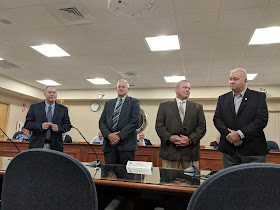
point(99, 81)
point(163, 43)
point(174, 79)
point(48, 82)
point(251, 76)
point(1, 59)
point(269, 35)
point(50, 50)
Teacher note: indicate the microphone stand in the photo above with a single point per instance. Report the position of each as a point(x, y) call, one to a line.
point(10, 140)
point(96, 163)
point(192, 170)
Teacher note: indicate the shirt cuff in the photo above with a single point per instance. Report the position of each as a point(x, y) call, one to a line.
point(241, 134)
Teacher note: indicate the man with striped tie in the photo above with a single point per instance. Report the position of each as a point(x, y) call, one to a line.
point(118, 123)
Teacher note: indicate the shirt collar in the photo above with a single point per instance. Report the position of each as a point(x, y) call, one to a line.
point(241, 94)
point(47, 105)
point(179, 100)
point(123, 98)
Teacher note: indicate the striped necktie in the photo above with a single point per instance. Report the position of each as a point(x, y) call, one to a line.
point(116, 115)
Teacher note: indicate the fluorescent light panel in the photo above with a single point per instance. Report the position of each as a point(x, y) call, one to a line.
point(99, 81)
point(251, 76)
point(50, 50)
point(174, 79)
point(1, 59)
point(269, 35)
point(48, 82)
point(163, 43)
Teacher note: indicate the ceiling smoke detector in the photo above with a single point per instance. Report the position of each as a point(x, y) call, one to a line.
point(130, 7)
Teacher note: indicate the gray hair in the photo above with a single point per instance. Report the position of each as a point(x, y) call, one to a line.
point(123, 80)
point(177, 85)
point(241, 70)
point(48, 87)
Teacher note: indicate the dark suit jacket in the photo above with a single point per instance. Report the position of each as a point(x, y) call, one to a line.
point(67, 139)
point(128, 122)
point(214, 144)
point(169, 123)
point(147, 142)
point(36, 116)
point(251, 119)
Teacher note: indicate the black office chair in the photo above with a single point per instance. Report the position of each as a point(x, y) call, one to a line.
point(272, 146)
point(246, 186)
point(16, 134)
point(47, 179)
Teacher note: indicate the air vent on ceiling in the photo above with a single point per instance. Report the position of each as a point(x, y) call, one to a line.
point(128, 74)
point(72, 13)
point(8, 65)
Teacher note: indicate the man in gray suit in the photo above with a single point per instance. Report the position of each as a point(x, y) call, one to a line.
point(180, 125)
point(118, 123)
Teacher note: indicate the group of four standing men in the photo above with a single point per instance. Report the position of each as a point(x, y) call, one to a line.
point(240, 117)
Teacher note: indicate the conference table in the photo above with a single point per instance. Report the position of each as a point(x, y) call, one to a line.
point(168, 188)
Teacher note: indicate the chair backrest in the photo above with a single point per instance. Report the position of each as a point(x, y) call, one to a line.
point(246, 186)
point(47, 179)
point(16, 134)
point(272, 146)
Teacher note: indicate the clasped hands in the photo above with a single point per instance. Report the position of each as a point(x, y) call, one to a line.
point(114, 138)
point(46, 125)
point(234, 138)
point(180, 141)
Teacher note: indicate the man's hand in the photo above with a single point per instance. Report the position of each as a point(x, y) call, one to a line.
point(54, 127)
point(180, 141)
point(114, 138)
point(233, 136)
point(174, 138)
point(237, 143)
point(46, 125)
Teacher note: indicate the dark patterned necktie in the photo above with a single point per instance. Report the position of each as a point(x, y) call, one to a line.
point(116, 115)
point(49, 118)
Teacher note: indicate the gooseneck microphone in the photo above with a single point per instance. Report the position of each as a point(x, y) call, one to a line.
point(96, 163)
point(10, 139)
point(192, 170)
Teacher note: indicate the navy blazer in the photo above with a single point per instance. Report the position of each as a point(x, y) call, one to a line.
point(36, 116)
point(147, 142)
point(251, 119)
point(129, 120)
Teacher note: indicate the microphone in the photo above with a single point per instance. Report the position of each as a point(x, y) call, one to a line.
point(192, 170)
point(96, 163)
point(10, 140)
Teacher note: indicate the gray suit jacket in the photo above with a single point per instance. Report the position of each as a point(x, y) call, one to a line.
point(128, 123)
point(169, 123)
